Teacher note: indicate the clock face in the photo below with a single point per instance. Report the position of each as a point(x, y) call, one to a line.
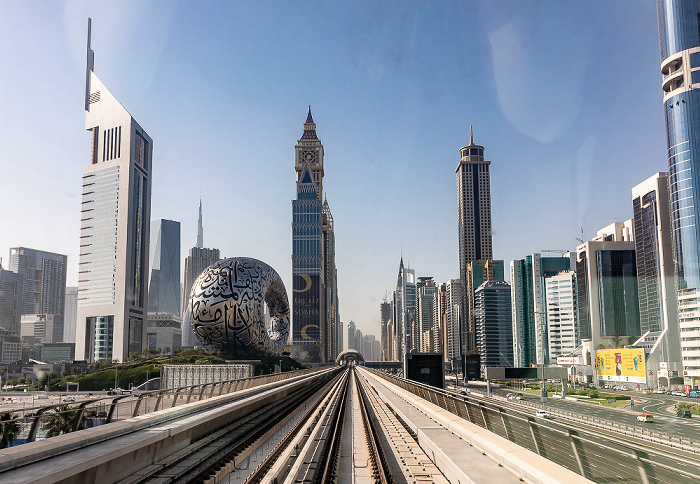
point(309, 156)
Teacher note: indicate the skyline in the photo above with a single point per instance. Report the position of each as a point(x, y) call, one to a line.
point(575, 106)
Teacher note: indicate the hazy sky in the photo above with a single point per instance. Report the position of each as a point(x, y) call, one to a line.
point(565, 96)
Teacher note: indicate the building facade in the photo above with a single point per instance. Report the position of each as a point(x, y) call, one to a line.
point(10, 301)
point(164, 287)
point(404, 306)
point(528, 298)
point(658, 307)
point(607, 303)
point(385, 330)
point(453, 315)
point(425, 314)
point(70, 315)
point(494, 329)
point(474, 222)
point(43, 282)
point(679, 41)
point(307, 247)
point(331, 315)
point(562, 331)
point(114, 229)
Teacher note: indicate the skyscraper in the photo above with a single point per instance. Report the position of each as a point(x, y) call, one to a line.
point(164, 287)
point(198, 259)
point(658, 307)
point(307, 247)
point(44, 283)
point(562, 333)
point(425, 314)
point(453, 315)
point(70, 315)
point(494, 329)
point(114, 233)
point(474, 219)
point(385, 335)
point(404, 304)
point(607, 304)
point(331, 312)
point(679, 41)
point(529, 310)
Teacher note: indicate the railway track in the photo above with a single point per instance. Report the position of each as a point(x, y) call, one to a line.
point(335, 431)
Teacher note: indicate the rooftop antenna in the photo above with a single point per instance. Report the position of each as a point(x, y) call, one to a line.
point(90, 67)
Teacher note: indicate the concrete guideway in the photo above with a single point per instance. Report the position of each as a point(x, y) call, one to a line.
point(459, 448)
point(113, 452)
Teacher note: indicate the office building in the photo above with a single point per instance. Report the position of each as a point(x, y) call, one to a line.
point(114, 228)
point(164, 331)
point(680, 69)
point(385, 331)
point(10, 348)
point(43, 282)
point(494, 331)
point(528, 297)
point(331, 314)
point(607, 304)
point(453, 316)
point(198, 259)
point(658, 307)
point(352, 344)
point(70, 314)
point(57, 352)
point(164, 287)
point(404, 305)
point(307, 247)
point(41, 328)
point(478, 272)
point(425, 314)
point(440, 321)
point(474, 222)
point(562, 335)
point(10, 301)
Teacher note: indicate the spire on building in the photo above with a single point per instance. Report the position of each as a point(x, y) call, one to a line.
point(309, 127)
point(471, 135)
point(90, 67)
point(200, 229)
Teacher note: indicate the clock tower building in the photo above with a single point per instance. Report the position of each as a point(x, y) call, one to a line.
point(307, 248)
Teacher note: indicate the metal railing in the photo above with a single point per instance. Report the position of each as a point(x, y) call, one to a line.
point(103, 410)
point(593, 455)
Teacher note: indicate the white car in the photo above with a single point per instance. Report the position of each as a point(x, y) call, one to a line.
point(541, 414)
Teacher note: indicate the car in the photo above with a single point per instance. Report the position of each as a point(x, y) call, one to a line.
point(645, 417)
point(684, 413)
point(42, 397)
point(541, 414)
point(69, 399)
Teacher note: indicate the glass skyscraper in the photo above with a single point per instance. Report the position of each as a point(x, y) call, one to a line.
point(164, 287)
point(679, 40)
point(307, 247)
point(114, 228)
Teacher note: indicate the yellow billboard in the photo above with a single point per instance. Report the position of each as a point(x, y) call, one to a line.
point(626, 365)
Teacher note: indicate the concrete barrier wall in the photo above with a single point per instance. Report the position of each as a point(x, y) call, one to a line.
point(528, 465)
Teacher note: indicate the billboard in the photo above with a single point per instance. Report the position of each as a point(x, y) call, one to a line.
point(625, 365)
point(427, 368)
point(306, 327)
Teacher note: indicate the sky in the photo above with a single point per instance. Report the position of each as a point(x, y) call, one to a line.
point(564, 96)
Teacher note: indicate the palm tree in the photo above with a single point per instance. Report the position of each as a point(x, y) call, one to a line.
point(9, 429)
point(60, 420)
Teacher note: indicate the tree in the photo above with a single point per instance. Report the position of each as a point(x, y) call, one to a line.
point(166, 350)
point(9, 429)
point(60, 420)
